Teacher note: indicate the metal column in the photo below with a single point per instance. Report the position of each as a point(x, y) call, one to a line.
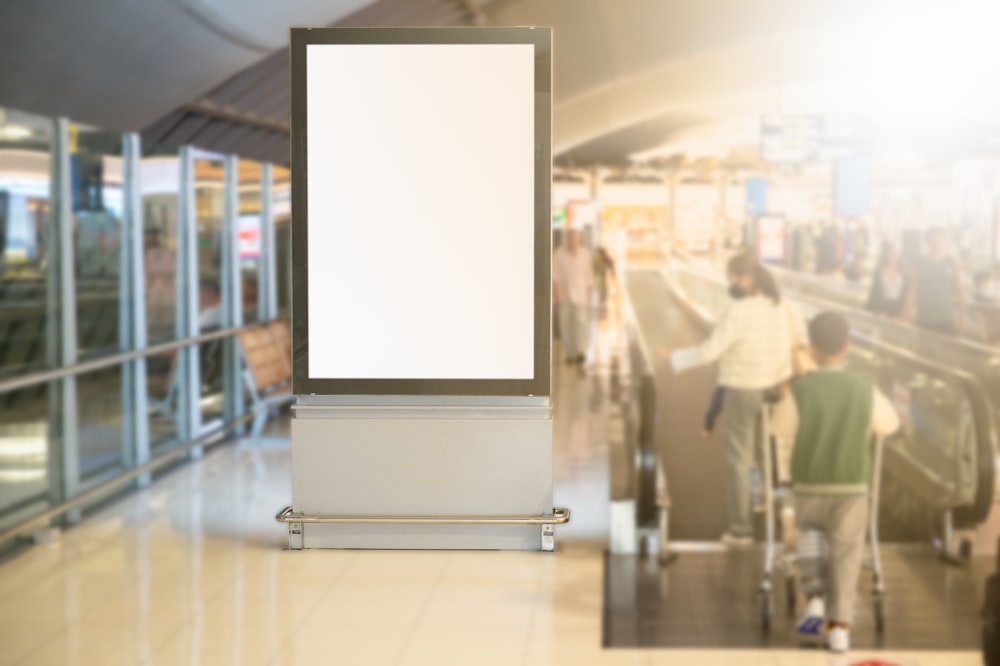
point(232, 292)
point(267, 283)
point(188, 366)
point(132, 331)
point(62, 344)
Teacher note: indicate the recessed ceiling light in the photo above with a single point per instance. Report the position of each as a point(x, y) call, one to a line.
point(15, 132)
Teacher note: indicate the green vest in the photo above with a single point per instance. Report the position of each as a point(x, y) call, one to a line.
point(832, 454)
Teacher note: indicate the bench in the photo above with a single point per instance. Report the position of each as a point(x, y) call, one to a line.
point(267, 375)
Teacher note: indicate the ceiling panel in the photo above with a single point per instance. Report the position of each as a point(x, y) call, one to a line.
point(121, 64)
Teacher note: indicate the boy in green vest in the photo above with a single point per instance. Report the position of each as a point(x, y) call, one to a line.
point(831, 415)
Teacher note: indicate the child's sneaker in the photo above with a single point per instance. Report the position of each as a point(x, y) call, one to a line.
point(838, 640)
point(812, 619)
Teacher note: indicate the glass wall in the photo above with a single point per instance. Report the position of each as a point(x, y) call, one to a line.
point(28, 313)
point(117, 213)
point(209, 198)
point(249, 221)
point(160, 186)
point(26, 307)
point(96, 174)
point(160, 182)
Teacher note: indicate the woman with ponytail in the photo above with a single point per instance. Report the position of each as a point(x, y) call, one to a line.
point(753, 342)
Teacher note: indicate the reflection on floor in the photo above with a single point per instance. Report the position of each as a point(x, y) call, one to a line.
point(709, 599)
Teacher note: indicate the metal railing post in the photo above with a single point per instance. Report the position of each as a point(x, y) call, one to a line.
point(267, 292)
point(65, 296)
point(232, 301)
point(132, 325)
point(188, 367)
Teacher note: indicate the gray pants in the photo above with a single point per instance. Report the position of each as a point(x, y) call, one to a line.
point(574, 328)
point(842, 520)
point(741, 426)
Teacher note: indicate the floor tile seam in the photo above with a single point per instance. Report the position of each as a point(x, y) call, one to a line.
point(115, 535)
point(539, 591)
point(423, 608)
point(64, 629)
point(66, 625)
point(312, 609)
point(186, 624)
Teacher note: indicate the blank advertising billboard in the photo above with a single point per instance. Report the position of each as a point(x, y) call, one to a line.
point(421, 214)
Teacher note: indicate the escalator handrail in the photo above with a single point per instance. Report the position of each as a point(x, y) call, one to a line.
point(856, 308)
point(646, 462)
point(982, 414)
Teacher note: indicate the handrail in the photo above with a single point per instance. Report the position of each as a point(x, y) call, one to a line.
point(985, 427)
point(649, 483)
point(35, 378)
point(812, 281)
point(559, 516)
point(214, 436)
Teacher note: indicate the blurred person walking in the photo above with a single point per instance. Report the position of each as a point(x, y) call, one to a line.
point(604, 272)
point(754, 341)
point(986, 299)
point(831, 415)
point(937, 287)
point(890, 288)
point(573, 283)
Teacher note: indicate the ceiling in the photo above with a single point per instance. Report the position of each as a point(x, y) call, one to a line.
point(629, 75)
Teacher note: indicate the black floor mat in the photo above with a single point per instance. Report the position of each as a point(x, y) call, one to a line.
point(710, 600)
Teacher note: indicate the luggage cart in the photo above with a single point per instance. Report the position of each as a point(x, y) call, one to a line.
point(788, 560)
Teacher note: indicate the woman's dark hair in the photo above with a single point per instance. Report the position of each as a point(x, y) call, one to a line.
point(745, 263)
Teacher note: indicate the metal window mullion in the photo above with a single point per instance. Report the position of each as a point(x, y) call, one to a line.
point(267, 293)
point(68, 412)
point(125, 341)
point(133, 295)
point(55, 465)
point(188, 368)
point(232, 301)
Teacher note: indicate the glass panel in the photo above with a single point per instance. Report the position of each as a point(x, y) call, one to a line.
point(96, 171)
point(160, 190)
point(163, 389)
point(249, 223)
point(282, 204)
point(209, 205)
point(25, 145)
point(160, 185)
point(100, 422)
point(26, 449)
point(96, 186)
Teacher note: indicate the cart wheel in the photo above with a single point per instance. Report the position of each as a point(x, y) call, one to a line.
point(765, 611)
point(879, 607)
point(791, 595)
point(965, 549)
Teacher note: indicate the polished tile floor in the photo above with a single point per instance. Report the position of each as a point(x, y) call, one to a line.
point(192, 571)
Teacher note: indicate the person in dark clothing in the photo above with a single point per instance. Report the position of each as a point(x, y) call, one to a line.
point(828, 251)
point(890, 284)
point(714, 409)
point(937, 287)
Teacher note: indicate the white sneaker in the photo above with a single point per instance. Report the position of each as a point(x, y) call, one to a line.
point(735, 541)
point(812, 619)
point(838, 640)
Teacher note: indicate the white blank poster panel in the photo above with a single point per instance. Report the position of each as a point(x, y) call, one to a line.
point(421, 211)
